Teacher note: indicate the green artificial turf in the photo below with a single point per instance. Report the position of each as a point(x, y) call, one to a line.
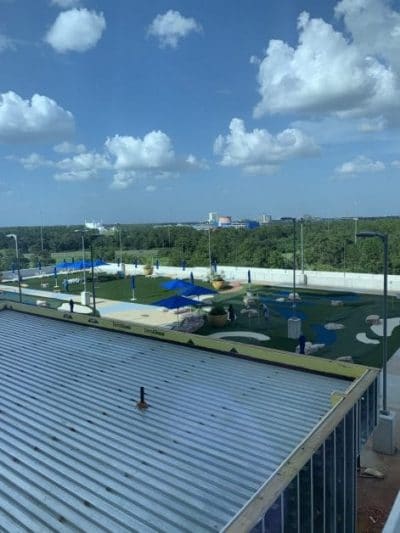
point(351, 314)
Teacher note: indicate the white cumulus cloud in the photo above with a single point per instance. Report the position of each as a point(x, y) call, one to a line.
point(259, 151)
point(69, 148)
point(37, 119)
point(81, 167)
point(35, 160)
point(360, 165)
point(366, 18)
point(76, 30)
point(65, 4)
point(154, 151)
point(123, 179)
point(348, 74)
point(171, 27)
point(6, 43)
point(125, 158)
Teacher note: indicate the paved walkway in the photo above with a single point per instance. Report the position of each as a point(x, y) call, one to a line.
point(133, 312)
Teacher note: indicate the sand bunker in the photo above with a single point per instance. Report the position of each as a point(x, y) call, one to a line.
point(333, 326)
point(362, 337)
point(250, 334)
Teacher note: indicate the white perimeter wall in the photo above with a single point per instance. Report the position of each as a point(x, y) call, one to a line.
point(339, 280)
point(311, 278)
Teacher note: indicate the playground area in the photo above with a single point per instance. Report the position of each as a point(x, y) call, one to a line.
point(335, 324)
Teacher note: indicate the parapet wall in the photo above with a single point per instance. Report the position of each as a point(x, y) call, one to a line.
point(268, 276)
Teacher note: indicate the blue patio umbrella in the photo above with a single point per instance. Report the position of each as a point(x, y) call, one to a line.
point(63, 265)
point(175, 302)
point(249, 276)
point(174, 284)
point(99, 262)
point(197, 290)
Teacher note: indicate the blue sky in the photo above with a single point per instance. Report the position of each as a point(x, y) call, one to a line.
point(149, 111)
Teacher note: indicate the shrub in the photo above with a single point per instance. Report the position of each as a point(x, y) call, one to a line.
point(217, 310)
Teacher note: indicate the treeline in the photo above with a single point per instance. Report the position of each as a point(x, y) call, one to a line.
point(328, 245)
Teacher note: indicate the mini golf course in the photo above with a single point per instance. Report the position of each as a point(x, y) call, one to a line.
point(344, 313)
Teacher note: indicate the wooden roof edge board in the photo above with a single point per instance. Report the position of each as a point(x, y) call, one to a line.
point(307, 363)
point(264, 498)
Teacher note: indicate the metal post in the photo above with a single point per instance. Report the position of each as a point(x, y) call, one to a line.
point(344, 260)
point(302, 246)
point(384, 363)
point(41, 238)
point(120, 245)
point(293, 219)
point(209, 247)
point(13, 236)
point(93, 287)
point(294, 266)
point(355, 230)
point(384, 238)
point(18, 269)
point(84, 265)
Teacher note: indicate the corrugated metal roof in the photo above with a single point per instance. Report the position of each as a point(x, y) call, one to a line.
point(77, 454)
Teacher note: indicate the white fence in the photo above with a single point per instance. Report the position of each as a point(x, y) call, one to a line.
point(271, 276)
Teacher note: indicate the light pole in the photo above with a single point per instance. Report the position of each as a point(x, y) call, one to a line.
point(13, 236)
point(384, 238)
point(344, 260)
point(209, 247)
point(82, 232)
point(120, 244)
point(302, 244)
point(93, 287)
point(355, 230)
point(293, 219)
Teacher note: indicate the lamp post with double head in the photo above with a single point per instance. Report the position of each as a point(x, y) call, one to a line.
point(384, 239)
point(13, 236)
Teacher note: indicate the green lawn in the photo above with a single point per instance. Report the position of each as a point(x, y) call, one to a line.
point(147, 290)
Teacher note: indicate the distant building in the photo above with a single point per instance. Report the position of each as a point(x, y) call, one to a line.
point(224, 220)
point(98, 226)
point(212, 218)
point(251, 224)
point(265, 219)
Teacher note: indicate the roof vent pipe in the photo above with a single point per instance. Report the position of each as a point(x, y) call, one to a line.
point(142, 404)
